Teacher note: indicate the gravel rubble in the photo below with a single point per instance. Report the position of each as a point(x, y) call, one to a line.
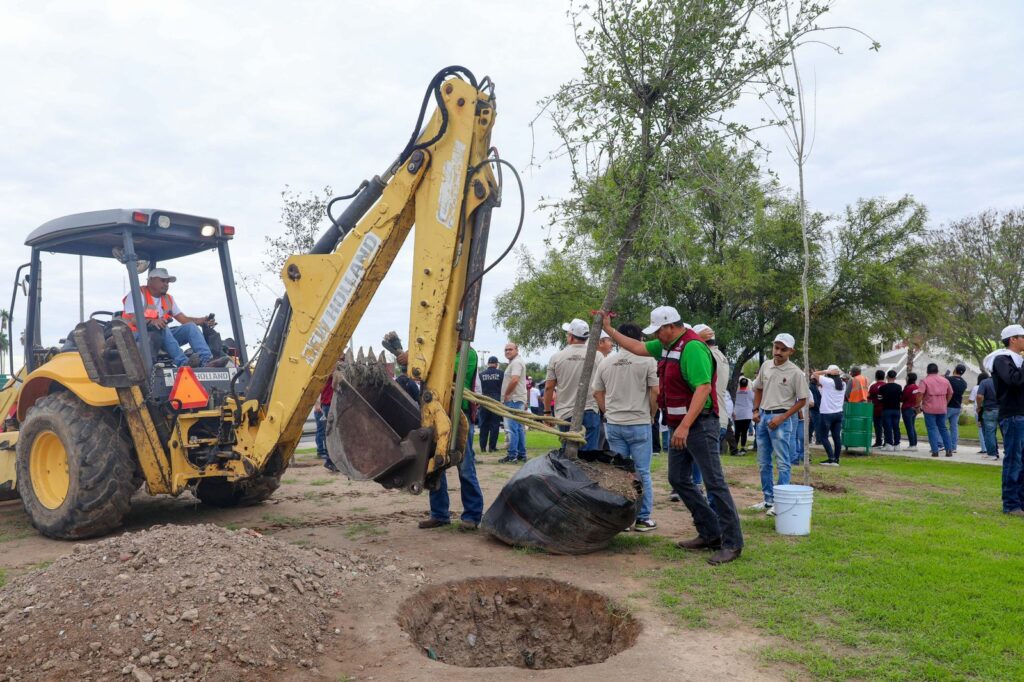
point(177, 603)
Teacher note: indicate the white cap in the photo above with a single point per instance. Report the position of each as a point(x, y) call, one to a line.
point(604, 335)
point(661, 316)
point(786, 339)
point(577, 328)
point(161, 273)
point(1011, 330)
point(833, 369)
point(697, 329)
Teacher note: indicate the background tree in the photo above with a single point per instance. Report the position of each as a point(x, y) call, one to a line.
point(303, 219)
point(979, 262)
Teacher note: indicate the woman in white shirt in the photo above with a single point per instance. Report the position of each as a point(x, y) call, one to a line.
point(833, 391)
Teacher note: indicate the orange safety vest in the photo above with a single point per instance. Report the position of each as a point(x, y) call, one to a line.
point(151, 312)
point(859, 389)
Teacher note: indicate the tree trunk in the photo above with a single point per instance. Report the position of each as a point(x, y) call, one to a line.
point(612, 293)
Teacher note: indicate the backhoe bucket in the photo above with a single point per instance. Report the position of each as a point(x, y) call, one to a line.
point(373, 429)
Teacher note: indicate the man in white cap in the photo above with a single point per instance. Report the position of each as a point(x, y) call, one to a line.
point(564, 371)
point(1008, 377)
point(780, 391)
point(160, 310)
point(686, 373)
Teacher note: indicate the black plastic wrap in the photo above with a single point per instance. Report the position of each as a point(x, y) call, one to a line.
point(552, 505)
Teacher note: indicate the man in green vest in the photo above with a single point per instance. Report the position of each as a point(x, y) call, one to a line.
point(469, 486)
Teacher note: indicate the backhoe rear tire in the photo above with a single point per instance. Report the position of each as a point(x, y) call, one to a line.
point(217, 492)
point(76, 473)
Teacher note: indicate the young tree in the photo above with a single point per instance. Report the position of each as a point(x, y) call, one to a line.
point(657, 79)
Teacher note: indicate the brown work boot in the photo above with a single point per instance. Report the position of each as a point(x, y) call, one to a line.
point(222, 361)
point(433, 523)
point(699, 543)
point(724, 556)
point(467, 525)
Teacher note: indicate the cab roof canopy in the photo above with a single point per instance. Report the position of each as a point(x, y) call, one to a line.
point(158, 235)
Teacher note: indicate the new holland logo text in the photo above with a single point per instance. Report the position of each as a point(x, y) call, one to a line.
point(339, 301)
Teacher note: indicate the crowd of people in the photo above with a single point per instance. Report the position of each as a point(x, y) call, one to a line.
point(671, 393)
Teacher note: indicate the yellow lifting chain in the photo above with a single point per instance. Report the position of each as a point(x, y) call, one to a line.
point(540, 422)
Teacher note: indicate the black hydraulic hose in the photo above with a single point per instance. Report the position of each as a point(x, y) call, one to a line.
point(519, 228)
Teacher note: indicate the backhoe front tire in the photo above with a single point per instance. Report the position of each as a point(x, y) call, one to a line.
point(76, 473)
point(218, 492)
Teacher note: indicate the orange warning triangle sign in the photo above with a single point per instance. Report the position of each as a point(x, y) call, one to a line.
point(188, 391)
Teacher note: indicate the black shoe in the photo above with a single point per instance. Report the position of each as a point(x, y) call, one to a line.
point(329, 465)
point(724, 556)
point(222, 361)
point(507, 460)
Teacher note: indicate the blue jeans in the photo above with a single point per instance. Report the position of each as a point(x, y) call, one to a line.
point(831, 425)
point(937, 433)
point(592, 424)
point(321, 430)
point(910, 421)
point(634, 441)
point(798, 443)
point(989, 422)
point(515, 433)
point(469, 490)
point(778, 443)
point(190, 333)
point(953, 417)
point(891, 426)
point(1013, 443)
point(722, 521)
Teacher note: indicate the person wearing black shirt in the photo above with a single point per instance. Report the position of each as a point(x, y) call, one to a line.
point(890, 396)
point(988, 415)
point(956, 403)
point(490, 383)
point(1008, 378)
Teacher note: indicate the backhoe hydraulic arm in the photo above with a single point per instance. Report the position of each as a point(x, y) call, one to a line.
point(441, 183)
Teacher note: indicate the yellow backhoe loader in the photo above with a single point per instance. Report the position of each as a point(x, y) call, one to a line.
point(91, 421)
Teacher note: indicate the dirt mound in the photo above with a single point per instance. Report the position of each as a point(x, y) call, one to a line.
point(611, 477)
point(172, 603)
point(526, 622)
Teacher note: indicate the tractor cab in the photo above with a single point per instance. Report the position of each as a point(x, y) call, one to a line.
point(138, 240)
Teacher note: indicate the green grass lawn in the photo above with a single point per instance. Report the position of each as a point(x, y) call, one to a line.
point(912, 574)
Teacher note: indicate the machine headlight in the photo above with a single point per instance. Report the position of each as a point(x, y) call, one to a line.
point(164, 221)
point(208, 230)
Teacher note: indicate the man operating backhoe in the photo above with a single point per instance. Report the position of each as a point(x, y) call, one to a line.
point(160, 310)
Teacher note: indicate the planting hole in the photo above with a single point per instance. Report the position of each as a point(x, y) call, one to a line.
point(525, 622)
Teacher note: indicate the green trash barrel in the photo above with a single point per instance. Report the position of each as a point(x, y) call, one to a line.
point(858, 426)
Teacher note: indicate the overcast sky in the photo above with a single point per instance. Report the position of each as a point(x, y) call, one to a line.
point(212, 108)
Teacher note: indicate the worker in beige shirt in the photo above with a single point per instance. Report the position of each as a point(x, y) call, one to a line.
point(626, 389)
point(514, 395)
point(780, 391)
point(564, 371)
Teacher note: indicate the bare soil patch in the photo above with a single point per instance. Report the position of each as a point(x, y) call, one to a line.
point(534, 623)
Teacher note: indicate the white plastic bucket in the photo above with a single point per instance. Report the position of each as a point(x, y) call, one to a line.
point(793, 509)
